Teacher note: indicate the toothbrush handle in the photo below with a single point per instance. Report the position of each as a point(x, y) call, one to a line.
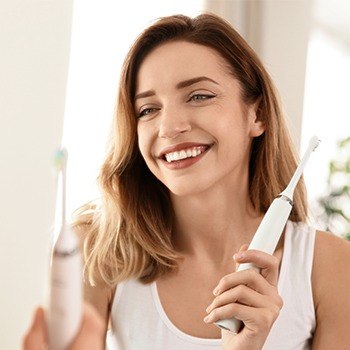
point(265, 239)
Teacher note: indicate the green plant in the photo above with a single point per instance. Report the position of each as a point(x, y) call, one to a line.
point(335, 203)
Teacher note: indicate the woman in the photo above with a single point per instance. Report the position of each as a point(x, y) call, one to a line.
point(199, 151)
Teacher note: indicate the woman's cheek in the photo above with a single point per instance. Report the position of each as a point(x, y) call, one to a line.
point(141, 141)
point(145, 150)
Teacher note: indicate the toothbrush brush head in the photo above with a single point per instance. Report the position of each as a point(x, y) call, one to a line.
point(314, 142)
point(60, 159)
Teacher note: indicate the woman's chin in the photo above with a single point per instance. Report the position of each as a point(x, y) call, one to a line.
point(185, 190)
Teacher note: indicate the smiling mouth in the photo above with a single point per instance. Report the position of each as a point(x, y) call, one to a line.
point(191, 152)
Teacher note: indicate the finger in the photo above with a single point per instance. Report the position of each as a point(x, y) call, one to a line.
point(243, 248)
point(255, 320)
point(228, 311)
point(251, 278)
point(243, 295)
point(268, 264)
point(92, 333)
point(35, 338)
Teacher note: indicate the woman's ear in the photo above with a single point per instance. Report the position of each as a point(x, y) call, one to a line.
point(257, 126)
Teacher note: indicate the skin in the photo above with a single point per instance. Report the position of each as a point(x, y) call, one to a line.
point(331, 284)
point(216, 189)
point(90, 336)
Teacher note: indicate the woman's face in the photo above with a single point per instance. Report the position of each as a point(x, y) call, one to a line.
point(194, 131)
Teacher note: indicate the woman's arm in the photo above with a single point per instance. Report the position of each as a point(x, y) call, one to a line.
point(331, 290)
point(101, 297)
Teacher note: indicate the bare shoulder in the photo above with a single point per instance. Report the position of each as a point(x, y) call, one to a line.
point(332, 254)
point(331, 260)
point(325, 240)
point(99, 294)
point(331, 285)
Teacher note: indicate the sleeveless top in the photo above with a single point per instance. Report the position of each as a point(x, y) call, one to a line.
point(139, 321)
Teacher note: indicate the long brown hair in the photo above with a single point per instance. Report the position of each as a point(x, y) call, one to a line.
point(130, 233)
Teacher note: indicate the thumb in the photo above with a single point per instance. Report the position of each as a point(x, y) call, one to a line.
point(35, 338)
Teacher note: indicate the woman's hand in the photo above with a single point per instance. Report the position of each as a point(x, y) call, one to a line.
point(90, 337)
point(249, 296)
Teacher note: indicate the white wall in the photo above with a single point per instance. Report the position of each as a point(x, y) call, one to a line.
point(34, 46)
point(284, 40)
point(279, 31)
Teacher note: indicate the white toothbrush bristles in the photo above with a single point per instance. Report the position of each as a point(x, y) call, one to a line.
point(313, 144)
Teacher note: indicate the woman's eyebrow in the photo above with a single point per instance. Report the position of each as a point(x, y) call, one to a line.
point(192, 81)
point(147, 93)
point(180, 85)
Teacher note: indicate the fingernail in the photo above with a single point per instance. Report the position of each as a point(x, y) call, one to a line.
point(208, 309)
point(216, 291)
point(206, 319)
point(238, 256)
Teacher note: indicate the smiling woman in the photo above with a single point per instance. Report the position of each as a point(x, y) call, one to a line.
point(188, 110)
point(199, 149)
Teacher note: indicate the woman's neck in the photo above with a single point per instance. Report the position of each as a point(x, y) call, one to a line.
point(214, 224)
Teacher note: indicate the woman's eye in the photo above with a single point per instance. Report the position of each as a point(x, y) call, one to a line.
point(200, 97)
point(146, 111)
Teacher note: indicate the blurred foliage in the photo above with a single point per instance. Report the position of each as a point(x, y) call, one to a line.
point(335, 203)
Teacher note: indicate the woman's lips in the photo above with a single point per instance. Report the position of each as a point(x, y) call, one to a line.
point(181, 146)
point(183, 157)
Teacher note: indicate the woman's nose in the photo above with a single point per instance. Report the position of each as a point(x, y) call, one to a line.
point(173, 124)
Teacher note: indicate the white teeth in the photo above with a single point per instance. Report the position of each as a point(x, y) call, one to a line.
point(183, 154)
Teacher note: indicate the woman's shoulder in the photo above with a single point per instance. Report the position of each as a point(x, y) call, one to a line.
point(331, 250)
point(325, 238)
point(331, 267)
point(331, 284)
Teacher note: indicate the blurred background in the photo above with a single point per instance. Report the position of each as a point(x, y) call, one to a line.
point(59, 72)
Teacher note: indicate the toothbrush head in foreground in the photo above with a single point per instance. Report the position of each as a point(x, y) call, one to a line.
point(60, 159)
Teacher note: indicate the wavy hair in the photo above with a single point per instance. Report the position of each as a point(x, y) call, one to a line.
point(129, 233)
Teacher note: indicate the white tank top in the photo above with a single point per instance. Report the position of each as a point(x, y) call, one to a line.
point(140, 323)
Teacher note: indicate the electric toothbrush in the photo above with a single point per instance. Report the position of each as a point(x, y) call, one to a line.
point(271, 227)
point(65, 299)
